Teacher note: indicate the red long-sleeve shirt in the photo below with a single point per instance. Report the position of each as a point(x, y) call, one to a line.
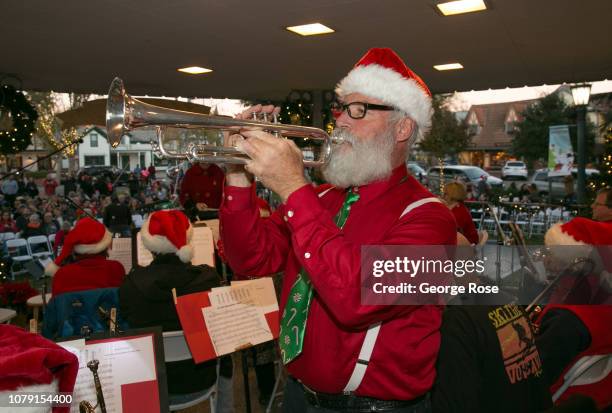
point(465, 225)
point(202, 185)
point(302, 233)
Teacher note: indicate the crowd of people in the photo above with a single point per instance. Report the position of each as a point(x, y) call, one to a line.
point(342, 355)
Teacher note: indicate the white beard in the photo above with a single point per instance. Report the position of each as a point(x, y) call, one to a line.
point(362, 162)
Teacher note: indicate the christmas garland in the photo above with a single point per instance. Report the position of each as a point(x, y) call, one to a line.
point(23, 117)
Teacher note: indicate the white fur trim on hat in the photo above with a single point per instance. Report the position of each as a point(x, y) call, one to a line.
point(161, 245)
point(556, 236)
point(100, 246)
point(51, 388)
point(51, 269)
point(392, 88)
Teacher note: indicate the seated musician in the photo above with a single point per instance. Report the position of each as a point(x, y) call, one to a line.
point(146, 294)
point(86, 244)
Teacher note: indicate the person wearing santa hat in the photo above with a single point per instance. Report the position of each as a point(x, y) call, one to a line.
point(571, 328)
point(87, 244)
point(31, 363)
point(145, 297)
point(342, 355)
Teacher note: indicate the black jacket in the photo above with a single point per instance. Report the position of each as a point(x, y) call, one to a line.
point(145, 299)
point(117, 214)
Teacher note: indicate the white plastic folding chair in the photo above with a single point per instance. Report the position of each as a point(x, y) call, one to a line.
point(39, 246)
point(19, 251)
point(176, 349)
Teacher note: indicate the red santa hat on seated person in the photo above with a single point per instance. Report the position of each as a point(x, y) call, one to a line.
point(584, 234)
point(383, 75)
point(87, 237)
point(167, 232)
point(31, 363)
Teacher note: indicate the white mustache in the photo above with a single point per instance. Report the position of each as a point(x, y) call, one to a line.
point(342, 135)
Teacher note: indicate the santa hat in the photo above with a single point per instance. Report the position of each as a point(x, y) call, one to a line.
point(382, 74)
point(31, 363)
point(589, 239)
point(167, 232)
point(579, 231)
point(87, 237)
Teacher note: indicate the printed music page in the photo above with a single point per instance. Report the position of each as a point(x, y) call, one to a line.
point(263, 292)
point(144, 256)
point(203, 246)
point(234, 326)
point(122, 362)
point(213, 224)
point(222, 296)
point(121, 250)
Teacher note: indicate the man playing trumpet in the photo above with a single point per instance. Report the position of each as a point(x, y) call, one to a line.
point(342, 355)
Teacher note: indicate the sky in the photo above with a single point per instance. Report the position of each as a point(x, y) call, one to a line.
point(461, 101)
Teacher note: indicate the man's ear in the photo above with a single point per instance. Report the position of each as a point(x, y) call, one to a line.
point(404, 129)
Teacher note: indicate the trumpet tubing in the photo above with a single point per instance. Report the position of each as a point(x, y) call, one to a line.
point(124, 113)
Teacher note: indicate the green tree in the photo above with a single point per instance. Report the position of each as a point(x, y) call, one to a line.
point(531, 140)
point(447, 136)
point(604, 163)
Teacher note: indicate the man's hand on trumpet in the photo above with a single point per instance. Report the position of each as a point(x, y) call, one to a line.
point(235, 175)
point(278, 163)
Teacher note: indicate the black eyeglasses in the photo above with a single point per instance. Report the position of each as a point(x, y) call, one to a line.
point(356, 110)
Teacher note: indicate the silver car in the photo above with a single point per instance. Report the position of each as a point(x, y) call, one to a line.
point(557, 185)
point(466, 173)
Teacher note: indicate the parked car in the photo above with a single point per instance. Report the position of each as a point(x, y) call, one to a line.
point(416, 170)
point(466, 173)
point(514, 169)
point(557, 185)
point(98, 170)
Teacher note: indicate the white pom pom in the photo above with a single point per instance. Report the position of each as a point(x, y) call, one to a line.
point(185, 254)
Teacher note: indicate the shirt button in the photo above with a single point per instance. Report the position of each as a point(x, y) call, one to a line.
point(229, 198)
point(307, 255)
point(290, 214)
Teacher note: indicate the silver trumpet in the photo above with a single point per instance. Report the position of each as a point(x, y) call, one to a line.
point(124, 113)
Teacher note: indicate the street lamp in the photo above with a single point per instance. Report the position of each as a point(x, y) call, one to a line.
point(581, 93)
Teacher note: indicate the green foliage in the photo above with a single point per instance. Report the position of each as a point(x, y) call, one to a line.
point(531, 140)
point(447, 136)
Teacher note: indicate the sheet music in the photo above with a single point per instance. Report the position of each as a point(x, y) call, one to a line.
point(122, 361)
point(223, 296)
point(121, 250)
point(234, 326)
point(213, 224)
point(144, 256)
point(262, 290)
point(203, 246)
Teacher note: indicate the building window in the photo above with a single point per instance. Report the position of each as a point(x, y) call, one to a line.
point(94, 160)
point(113, 159)
point(473, 129)
point(93, 139)
point(510, 127)
point(142, 160)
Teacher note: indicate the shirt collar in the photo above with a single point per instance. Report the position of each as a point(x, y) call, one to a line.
point(372, 190)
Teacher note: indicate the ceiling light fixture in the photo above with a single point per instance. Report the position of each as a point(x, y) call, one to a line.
point(310, 29)
point(194, 70)
point(451, 8)
point(449, 66)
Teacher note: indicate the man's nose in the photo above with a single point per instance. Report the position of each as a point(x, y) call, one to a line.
point(344, 120)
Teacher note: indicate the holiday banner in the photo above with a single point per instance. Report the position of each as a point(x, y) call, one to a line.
point(560, 151)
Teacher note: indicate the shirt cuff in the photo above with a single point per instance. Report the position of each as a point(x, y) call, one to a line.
point(302, 207)
point(236, 198)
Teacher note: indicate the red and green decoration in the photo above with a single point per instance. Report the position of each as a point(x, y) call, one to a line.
point(17, 121)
